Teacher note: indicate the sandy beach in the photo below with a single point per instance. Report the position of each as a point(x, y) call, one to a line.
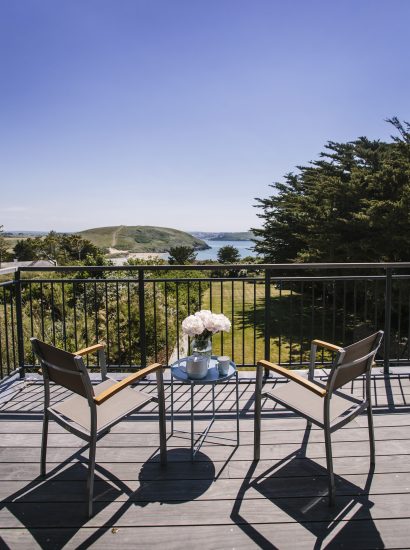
point(120, 260)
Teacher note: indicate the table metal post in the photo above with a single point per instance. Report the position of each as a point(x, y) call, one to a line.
point(192, 422)
point(213, 401)
point(237, 406)
point(172, 404)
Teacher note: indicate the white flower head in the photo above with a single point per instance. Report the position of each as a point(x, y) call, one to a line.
point(221, 323)
point(207, 318)
point(192, 326)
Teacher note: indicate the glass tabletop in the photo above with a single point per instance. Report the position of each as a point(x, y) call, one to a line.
point(178, 371)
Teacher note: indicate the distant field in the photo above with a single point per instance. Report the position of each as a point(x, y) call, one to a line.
point(140, 238)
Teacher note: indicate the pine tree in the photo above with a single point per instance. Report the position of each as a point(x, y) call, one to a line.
point(351, 205)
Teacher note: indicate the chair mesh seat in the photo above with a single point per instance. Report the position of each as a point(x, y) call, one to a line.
point(309, 404)
point(77, 409)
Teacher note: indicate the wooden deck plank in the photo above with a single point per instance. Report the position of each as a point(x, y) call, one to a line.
point(131, 471)
point(313, 484)
point(122, 440)
point(366, 534)
point(154, 513)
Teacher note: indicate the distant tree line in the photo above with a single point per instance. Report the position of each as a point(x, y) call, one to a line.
point(61, 249)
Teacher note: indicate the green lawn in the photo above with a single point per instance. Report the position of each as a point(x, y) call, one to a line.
point(294, 320)
point(243, 303)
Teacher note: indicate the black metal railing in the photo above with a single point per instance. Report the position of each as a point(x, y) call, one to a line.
point(275, 310)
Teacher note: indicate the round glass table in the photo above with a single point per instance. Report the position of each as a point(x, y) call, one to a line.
point(179, 374)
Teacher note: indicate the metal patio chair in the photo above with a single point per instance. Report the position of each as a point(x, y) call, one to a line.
point(323, 404)
point(93, 409)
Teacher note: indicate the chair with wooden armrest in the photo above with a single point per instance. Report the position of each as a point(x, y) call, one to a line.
point(93, 409)
point(322, 404)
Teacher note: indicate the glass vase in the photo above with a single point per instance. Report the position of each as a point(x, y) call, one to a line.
point(203, 347)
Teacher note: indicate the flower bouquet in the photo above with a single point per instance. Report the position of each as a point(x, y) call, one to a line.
point(201, 326)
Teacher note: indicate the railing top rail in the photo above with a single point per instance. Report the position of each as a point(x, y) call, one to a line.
point(7, 283)
point(263, 267)
point(273, 279)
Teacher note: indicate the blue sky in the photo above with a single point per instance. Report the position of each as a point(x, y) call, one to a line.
point(178, 113)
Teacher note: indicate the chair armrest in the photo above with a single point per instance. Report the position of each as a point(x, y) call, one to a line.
point(90, 349)
point(106, 394)
point(295, 377)
point(330, 347)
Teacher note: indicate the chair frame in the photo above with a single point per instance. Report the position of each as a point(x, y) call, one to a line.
point(94, 401)
point(324, 391)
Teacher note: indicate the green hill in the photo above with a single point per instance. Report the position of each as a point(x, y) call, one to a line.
point(224, 236)
point(141, 238)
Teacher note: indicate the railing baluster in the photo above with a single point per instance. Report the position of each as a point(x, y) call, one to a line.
point(267, 314)
point(19, 321)
point(222, 310)
point(387, 320)
point(166, 321)
point(129, 325)
point(254, 322)
point(156, 330)
point(233, 319)
point(64, 314)
point(243, 322)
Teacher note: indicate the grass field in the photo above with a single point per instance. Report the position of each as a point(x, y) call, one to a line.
point(293, 322)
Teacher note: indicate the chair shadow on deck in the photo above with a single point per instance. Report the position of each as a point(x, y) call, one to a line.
point(64, 499)
point(298, 486)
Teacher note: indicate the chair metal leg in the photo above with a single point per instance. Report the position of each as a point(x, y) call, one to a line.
point(44, 445)
point(257, 417)
point(90, 477)
point(162, 419)
point(329, 462)
point(371, 435)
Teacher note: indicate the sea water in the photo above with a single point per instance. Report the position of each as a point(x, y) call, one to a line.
point(244, 248)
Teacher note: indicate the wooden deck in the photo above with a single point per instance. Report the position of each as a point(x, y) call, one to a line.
point(222, 500)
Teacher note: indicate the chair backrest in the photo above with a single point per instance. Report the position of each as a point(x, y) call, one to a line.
point(63, 368)
point(354, 361)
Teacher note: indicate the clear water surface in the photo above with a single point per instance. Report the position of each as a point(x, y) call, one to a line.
point(244, 248)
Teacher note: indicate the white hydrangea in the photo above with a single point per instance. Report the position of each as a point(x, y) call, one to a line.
point(221, 323)
point(192, 326)
point(205, 321)
point(207, 318)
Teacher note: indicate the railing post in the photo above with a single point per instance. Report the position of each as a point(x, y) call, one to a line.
point(19, 323)
point(267, 319)
point(143, 336)
point(387, 320)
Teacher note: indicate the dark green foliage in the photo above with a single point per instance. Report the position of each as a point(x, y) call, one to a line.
point(228, 255)
point(59, 248)
point(351, 205)
point(4, 256)
point(181, 255)
point(25, 250)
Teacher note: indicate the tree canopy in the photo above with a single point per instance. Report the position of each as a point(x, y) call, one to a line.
point(351, 205)
point(228, 254)
point(60, 248)
point(3, 246)
point(181, 255)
